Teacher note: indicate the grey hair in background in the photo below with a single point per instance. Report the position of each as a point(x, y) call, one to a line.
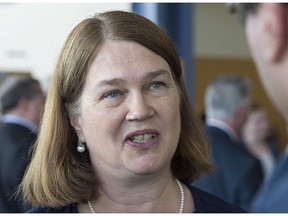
point(225, 95)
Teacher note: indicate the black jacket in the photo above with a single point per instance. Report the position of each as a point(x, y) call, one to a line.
point(237, 173)
point(15, 142)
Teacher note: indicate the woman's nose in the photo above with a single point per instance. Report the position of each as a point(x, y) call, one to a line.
point(140, 108)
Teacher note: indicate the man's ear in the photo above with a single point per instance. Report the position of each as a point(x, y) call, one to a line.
point(275, 26)
point(23, 104)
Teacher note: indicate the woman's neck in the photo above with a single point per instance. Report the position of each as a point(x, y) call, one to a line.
point(139, 195)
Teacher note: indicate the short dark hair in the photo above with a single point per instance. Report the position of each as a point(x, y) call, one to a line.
point(242, 10)
point(21, 88)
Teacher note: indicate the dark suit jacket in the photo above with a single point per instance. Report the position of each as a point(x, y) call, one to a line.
point(237, 173)
point(15, 142)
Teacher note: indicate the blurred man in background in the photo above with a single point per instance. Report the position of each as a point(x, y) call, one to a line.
point(21, 105)
point(237, 173)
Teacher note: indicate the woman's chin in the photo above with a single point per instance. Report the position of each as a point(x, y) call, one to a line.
point(145, 165)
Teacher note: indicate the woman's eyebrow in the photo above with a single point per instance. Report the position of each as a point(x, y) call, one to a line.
point(112, 82)
point(159, 72)
point(119, 81)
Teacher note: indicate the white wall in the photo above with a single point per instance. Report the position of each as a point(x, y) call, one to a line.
point(32, 34)
point(218, 33)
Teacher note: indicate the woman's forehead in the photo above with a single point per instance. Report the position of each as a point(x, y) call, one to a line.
point(125, 58)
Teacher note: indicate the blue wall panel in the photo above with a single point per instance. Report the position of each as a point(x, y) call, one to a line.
point(176, 19)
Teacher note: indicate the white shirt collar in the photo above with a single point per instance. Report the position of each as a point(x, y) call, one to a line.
point(10, 118)
point(223, 126)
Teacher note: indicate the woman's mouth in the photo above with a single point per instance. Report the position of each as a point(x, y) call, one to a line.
point(143, 139)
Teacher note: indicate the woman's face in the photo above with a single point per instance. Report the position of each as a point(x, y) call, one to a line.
point(130, 115)
point(257, 126)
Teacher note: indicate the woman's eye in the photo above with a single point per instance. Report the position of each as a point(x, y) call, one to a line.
point(112, 94)
point(156, 85)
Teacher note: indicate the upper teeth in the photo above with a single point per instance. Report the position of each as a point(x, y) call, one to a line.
point(142, 138)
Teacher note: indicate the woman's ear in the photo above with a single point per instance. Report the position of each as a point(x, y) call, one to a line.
point(75, 122)
point(275, 25)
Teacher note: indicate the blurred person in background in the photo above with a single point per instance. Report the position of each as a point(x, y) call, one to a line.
point(258, 137)
point(266, 27)
point(21, 104)
point(237, 173)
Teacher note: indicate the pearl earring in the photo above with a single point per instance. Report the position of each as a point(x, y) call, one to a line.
point(80, 147)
